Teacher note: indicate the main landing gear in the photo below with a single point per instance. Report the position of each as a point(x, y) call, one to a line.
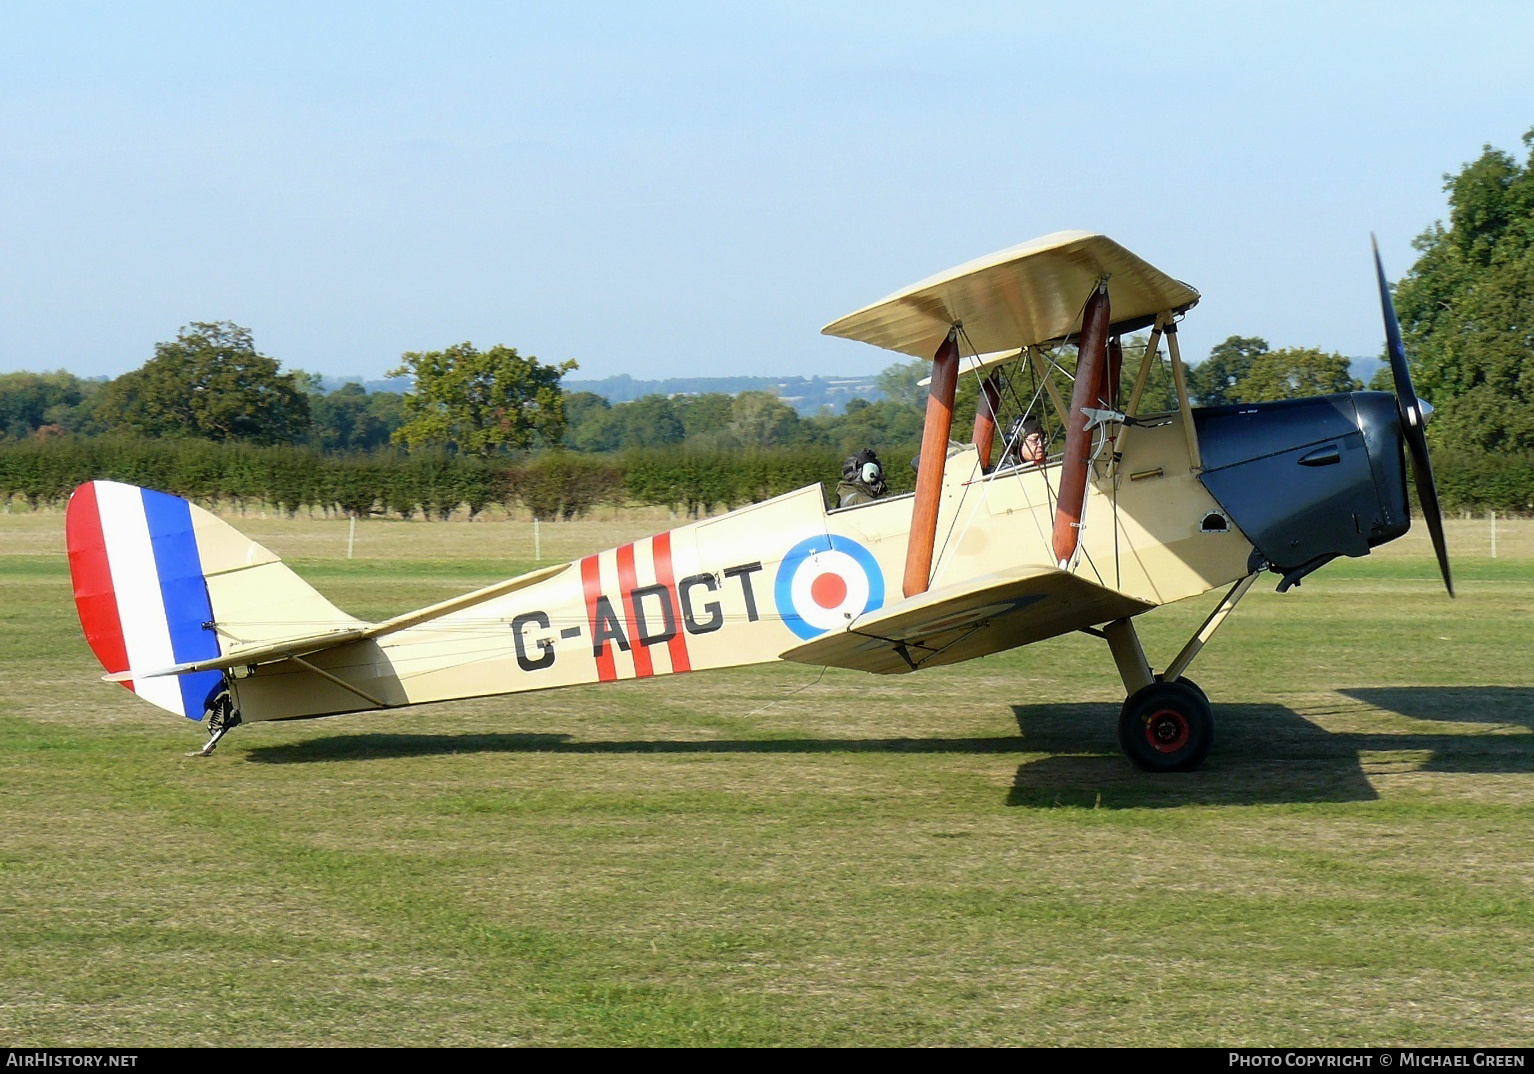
point(1166, 724)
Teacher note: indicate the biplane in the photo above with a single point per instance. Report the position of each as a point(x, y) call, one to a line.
point(1140, 506)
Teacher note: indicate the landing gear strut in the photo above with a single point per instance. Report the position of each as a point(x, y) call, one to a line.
point(1166, 724)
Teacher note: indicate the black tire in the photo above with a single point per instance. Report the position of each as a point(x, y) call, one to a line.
point(1188, 682)
point(1166, 727)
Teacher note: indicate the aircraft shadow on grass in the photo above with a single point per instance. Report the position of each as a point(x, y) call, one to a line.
point(1465, 752)
point(1262, 754)
point(1268, 753)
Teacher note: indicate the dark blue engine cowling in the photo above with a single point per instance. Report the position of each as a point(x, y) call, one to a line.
point(1307, 480)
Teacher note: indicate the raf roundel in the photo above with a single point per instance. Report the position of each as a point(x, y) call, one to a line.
point(826, 582)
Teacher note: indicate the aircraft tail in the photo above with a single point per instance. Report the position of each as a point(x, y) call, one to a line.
point(159, 582)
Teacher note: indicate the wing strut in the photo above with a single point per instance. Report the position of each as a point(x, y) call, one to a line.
point(1113, 372)
point(929, 471)
point(1091, 375)
point(1180, 380)
point(985, 417)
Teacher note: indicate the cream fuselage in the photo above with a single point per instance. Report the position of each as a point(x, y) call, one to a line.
point(753, 584)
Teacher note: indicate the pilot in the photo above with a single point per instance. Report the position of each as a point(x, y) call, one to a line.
point(862, 479)
point(1026, 444)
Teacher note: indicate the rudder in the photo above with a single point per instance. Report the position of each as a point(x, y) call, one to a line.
point(159, 581)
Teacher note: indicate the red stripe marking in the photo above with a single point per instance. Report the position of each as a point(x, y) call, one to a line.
point(591, 581)
point(661, 549)
point(91, 573)
point(628, 581)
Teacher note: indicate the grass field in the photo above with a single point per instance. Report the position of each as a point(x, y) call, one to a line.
point(776, 856)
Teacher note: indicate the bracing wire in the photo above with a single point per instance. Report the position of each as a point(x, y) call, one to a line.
point(790, 694)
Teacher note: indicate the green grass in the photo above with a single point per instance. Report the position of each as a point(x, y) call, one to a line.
point(772, 856)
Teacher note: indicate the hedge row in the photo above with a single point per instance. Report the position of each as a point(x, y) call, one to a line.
point(554, 486)
point(44, 473)
point(1475, 482)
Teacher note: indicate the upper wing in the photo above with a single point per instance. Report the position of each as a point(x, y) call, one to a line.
point(984, 615)
point(1028, 294)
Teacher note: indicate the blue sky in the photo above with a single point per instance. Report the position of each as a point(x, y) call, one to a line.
point(670, 190)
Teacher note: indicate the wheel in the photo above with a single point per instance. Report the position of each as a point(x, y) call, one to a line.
point(1166, 727)
point(1199, 690)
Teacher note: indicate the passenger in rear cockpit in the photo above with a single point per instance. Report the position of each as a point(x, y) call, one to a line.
point(862, 479)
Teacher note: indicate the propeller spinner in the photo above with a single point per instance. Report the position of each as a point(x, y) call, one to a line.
point(1413, 424)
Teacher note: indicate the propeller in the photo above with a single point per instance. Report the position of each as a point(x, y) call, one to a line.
point(1413, 424)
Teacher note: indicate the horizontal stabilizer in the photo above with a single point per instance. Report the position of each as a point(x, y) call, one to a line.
point(244, 656)
point(988, 614)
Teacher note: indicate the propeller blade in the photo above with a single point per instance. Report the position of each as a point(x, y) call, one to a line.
point(1413, 424)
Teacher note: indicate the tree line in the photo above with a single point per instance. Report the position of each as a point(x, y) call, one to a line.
point(212, 384)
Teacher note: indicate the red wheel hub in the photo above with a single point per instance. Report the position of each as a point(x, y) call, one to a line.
point(1167, 730)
